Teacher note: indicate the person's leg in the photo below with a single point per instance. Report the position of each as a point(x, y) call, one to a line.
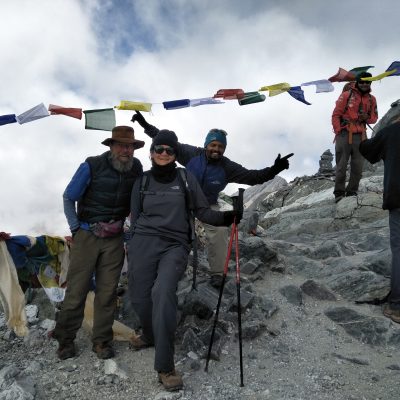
point(143, 254)
point(84, 253)
point(108, 271)
point(217, 245)
point(171, 268)
point(394, 226)
point(342, 155)
point(356, 166)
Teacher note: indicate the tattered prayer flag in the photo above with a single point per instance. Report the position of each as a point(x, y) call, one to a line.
point(251, 97)
point(37, 112)
point(380, 76)
point(103, 120)
point(204, 100)
point(69, 112)
point(322, 85)
point(343, 76)
point(175, 104)
point(134, 106)
point(298, 93)
point(276, 89)
point(7, 119)
point(229, 94)
point(394, 65)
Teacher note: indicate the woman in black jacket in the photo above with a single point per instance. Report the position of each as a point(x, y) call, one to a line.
point(159, 249)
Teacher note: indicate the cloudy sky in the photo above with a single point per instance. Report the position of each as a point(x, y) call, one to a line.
point(92, 54)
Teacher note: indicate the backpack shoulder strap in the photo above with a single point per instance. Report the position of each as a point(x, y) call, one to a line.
point(144, 184)
point(348, 101)
point(182, 176)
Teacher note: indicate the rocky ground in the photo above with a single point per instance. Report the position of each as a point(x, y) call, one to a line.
point(311, 319)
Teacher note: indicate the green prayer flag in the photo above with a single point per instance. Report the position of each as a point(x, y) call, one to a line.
point(103, 120)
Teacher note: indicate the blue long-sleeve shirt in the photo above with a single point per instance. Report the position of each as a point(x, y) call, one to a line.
point(73, 193)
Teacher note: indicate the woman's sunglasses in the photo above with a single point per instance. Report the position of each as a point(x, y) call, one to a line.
point(159, 149)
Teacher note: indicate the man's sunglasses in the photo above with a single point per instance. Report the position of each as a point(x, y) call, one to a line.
point(159, 149)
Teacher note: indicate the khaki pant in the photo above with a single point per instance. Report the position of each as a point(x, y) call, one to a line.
point(217, 245)
point(343, 152)
point(90, 255)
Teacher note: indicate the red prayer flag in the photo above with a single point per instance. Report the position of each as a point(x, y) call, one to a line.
point(342, 76)
point(70, 112)
point(230, 94)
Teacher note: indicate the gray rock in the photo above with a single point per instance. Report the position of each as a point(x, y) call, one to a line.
point(317, 291)
point(364, 328)
point(292, 294)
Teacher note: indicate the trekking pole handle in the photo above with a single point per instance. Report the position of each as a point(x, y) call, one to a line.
point(238, 201)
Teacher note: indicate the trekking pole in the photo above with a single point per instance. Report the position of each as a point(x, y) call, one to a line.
point(228, 256)
point(239, 206)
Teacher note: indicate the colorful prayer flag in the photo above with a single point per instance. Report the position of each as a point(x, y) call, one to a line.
point(134, 106)
point(298, 93)
point(322, 85)
point(229, 94)
point(356, 71)
point(7, 119)
point(70, 112)
point(394, 65)
point(103, 119)
point(37, 112)
point(250, 98)
point(276, 89)
point(380, 76)
point(342, 76)
point(204, 100)
point(175, 104)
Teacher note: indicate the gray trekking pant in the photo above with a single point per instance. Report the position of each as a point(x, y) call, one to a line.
point(90, 255)
point(343, 152)
point(217, 245)
point(155, 267)
point(394, 226)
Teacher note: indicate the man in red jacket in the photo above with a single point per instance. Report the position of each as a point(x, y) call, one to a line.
point(355, 108)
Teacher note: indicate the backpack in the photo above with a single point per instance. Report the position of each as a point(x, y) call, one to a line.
point(182, 177)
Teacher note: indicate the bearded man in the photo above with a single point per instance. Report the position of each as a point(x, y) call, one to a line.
point(101, 189)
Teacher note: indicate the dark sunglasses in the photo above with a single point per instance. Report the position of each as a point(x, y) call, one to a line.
point(159, 149)
point(365, 82)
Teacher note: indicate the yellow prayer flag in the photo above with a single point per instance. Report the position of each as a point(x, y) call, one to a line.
point(380, 76)
point(134, 106)
point(276, 89)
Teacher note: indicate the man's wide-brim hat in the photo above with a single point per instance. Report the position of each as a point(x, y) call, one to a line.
point(123, 134)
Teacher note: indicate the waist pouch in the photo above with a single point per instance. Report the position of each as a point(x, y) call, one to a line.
point(107, 229)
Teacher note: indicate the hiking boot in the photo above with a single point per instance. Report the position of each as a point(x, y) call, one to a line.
point(171, 380)
point(139, 342)
point(103, 350)
point(392, 312)
point(349, 194)
point(66, 350)
point(216, 280)
point(338, 197)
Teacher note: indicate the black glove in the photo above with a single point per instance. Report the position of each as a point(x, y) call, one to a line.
point(281, 163)
point(140, 119)
point(230, 216)
point(149, 129)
